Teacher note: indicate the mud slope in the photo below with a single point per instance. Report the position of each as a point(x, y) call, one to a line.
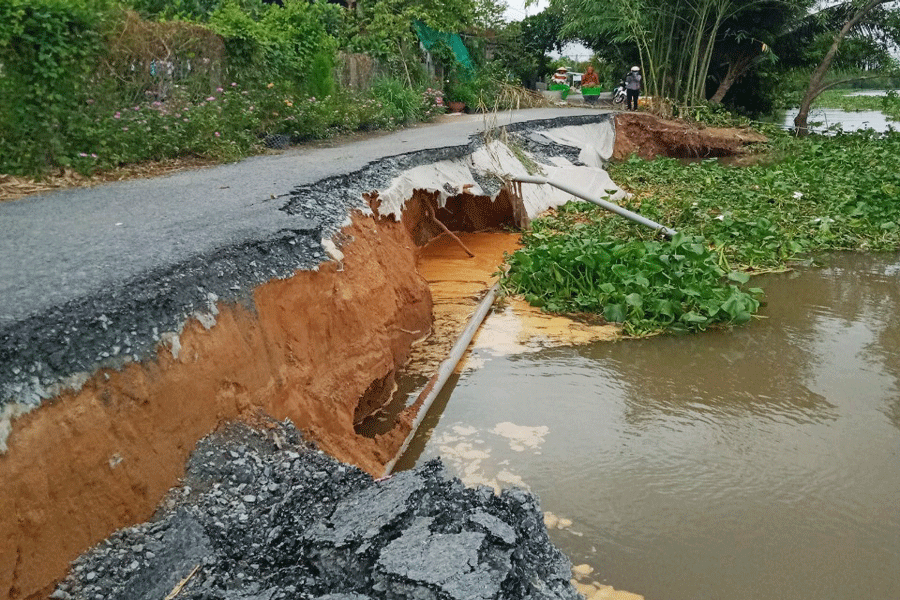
point(306, 348)
point(649, 136)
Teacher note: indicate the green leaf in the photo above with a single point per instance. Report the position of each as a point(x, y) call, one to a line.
point(614, 313)
point(692, 317)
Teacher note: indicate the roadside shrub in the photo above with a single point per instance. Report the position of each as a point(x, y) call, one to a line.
point(48, 51)
point(145, 59)
point(400, 104)
point(288, 45)
point(223, 125)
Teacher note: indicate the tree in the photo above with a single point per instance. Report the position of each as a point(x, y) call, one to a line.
point(860, 12)
point(675, 38)
point(523, 45)
point(746, 40)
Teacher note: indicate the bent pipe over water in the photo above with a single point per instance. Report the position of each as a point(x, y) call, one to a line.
point(436, 383)
point(614, 208)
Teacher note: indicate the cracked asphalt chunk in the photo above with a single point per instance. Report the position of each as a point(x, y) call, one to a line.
point(263, 515)
point(366, 513)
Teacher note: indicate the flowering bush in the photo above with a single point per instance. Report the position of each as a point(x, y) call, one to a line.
point(433, 103)
point(221, 125)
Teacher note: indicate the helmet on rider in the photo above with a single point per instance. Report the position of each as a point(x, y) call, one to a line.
point(635, 68)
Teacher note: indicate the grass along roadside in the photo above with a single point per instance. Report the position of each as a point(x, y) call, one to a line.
point(818, 194)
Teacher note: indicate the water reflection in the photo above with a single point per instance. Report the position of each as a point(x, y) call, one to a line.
point(745, 464)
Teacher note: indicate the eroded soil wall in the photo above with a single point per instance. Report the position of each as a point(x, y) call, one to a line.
point(309, 348)
point(649, 136)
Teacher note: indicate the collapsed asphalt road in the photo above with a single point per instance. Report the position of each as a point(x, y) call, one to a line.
point(95, 277)
point(137, 317)
point(263, 516)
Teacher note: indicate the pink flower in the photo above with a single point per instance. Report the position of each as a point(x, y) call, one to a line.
point(219, 89)
point(217, 134)
point(233, 84)
point(93, 155)
point(185, 120)
point(82, 155)
point(90, 101)
point(211, 99)
point(124, 129)
point(118, 115)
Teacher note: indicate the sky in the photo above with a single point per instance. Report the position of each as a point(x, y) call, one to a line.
point(516, 11)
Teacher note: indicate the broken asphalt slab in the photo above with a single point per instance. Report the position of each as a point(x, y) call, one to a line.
point(263, 516)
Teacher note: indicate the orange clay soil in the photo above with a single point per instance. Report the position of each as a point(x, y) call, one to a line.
point(649, 136)
point(92, 461)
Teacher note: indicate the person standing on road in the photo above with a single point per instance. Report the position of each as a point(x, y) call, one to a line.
point(633, 87)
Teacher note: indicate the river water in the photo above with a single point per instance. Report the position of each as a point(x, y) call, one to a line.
point(757, 463)
point(821, 119)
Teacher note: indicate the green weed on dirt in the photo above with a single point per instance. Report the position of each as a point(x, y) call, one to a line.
point(816, 194)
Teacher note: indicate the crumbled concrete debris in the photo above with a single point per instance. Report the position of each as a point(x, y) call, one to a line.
point(264, 516)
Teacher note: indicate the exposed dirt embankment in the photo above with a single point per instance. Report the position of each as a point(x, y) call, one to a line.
point(308, 349)
point(649, 136)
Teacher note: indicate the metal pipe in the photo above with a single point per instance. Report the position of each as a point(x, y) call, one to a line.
point(437, 381)
point(624, 212)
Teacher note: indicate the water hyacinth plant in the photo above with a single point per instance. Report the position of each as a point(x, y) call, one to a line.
point(814, 194)
point(646, 285)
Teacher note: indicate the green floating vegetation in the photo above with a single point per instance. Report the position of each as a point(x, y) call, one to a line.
point(645, 284)
point(815, 194)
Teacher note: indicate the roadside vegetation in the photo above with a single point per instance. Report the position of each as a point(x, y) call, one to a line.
point(90, 85)
point(816, 194)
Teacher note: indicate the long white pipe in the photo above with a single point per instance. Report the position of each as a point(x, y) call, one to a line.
point(436, 383)
point(602, 203)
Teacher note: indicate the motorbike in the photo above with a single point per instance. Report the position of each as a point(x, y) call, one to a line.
point(619, 93)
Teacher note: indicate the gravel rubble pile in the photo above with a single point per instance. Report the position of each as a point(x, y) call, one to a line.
point(263, 515)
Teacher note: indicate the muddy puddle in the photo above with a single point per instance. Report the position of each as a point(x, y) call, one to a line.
point(745, 464)
point(458, 281)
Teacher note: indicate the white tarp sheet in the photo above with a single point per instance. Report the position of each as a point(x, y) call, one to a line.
point(497, 160)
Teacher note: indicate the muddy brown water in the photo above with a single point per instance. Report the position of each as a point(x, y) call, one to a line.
point(762, 462)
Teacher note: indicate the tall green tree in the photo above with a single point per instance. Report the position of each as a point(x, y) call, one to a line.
point(747, 38)
point(864, 18)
